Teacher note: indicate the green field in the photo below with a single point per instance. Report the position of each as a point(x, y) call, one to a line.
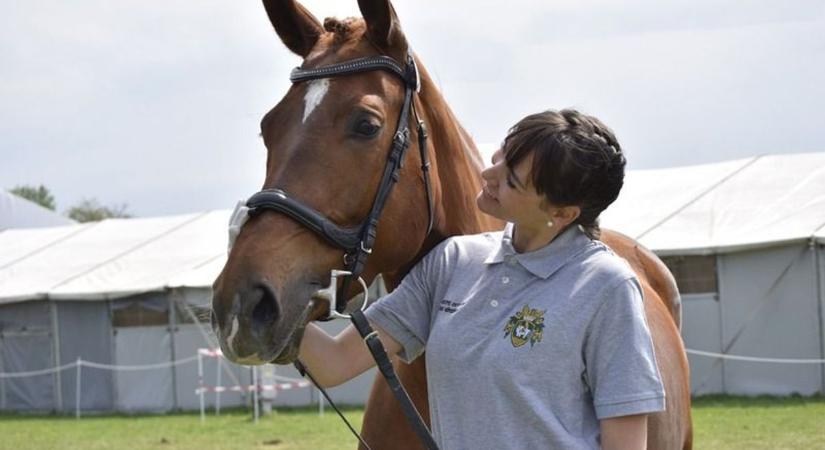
point(720, 423)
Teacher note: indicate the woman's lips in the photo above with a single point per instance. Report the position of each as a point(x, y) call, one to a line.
point(486, 191)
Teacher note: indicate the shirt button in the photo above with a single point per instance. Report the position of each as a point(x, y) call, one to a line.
point(505, 280)
point(493, 303)
point(512, 260)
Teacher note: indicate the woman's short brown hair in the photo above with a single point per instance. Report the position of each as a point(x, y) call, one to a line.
point(577, 161)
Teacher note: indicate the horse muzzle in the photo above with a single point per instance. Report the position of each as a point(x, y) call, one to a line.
point(255, 327)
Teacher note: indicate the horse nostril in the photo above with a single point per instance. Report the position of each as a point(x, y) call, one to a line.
point(265, 312)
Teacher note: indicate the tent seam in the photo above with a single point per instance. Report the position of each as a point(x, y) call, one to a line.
point(130, 250)
point(698, 197)
point(81, 229)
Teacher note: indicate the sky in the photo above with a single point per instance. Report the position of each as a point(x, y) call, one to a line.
point(157, 105)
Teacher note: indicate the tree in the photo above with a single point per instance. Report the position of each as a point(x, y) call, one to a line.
point(90, 210)
point(39, 194)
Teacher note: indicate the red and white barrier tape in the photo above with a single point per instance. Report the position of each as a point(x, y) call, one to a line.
point(251, 387)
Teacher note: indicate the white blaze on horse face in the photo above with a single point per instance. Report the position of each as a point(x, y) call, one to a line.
point(232, 332)
point(315, 94)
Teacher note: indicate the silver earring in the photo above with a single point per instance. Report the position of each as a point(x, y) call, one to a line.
point(550, 224)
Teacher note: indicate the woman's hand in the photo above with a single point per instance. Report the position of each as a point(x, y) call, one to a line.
point(624, 432)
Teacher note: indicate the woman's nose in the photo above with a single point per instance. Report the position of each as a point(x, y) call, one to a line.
point(489, 176)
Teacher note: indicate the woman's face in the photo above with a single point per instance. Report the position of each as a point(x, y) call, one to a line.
point(509, 194)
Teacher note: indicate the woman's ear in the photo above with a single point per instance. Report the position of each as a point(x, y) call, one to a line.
point(564, 215)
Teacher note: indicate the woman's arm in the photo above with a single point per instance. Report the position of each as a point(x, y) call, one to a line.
point(335, 360)
point(624, 432)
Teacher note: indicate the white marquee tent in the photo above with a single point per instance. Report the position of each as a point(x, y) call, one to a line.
point(16, 212)
point(745, 241)
point(116, 291)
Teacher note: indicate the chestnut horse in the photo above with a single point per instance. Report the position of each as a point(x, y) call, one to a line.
point(327, 143)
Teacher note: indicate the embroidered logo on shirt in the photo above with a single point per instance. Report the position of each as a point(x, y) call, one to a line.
point(525, 326)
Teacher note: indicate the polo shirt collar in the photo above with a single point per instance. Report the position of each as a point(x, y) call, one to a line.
point(546, 260)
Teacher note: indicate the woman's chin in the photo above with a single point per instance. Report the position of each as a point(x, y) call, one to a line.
point(484, 205)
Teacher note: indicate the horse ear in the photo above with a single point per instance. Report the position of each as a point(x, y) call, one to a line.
point(383, 27)
point(296, 26)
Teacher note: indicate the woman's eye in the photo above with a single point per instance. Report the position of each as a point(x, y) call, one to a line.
point(366, 128)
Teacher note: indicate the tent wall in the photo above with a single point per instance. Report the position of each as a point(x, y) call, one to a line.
point(26, 344)
point(769, 309)
point(85, 332)
point(143, 390)
point(702, 330)
point(820, 268)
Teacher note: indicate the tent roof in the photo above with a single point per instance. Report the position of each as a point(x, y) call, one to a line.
point(16, 212)
point(723, 207)
point(113, 258)
point(711, 208)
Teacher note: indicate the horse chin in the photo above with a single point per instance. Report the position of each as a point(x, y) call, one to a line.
point(289, 353)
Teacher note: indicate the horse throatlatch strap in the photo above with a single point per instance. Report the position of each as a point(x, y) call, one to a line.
point(425, 167)
point(385, 366)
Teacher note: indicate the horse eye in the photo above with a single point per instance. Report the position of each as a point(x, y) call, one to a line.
point(366, 128)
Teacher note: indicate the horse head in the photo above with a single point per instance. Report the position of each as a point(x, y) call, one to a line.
point(327, 141)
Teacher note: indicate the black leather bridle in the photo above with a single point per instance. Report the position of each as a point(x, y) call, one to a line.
point(357, 242)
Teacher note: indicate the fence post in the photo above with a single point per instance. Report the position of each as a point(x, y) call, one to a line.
point(320, 404)
point(218, 388)
point(255, 391)
point(200, 384)
point(77, 389)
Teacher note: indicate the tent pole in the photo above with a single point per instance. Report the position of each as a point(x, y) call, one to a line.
point(77, 388)
point(58, 391)
point(820, 293)
point(2, 380)
point(113, 354)
point(172, 331)
point(720, 290)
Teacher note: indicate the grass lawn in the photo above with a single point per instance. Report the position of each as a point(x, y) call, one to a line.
point(298, 429)
point(759, 423)
point(719, 422)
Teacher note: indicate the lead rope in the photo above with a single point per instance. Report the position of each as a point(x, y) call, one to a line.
point(304, 371)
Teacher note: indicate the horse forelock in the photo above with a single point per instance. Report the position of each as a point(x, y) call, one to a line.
point(346, 29)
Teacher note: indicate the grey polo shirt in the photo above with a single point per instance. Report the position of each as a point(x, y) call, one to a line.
point(525, 350)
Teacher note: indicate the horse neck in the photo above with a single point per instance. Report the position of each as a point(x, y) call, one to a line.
point(457, 166)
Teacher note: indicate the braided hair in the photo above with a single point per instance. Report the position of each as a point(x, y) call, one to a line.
point(577, 161)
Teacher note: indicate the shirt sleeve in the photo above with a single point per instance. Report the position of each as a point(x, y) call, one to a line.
point(620, 363)
point(406, 312)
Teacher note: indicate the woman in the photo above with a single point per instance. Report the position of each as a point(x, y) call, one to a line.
point(535, 336)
